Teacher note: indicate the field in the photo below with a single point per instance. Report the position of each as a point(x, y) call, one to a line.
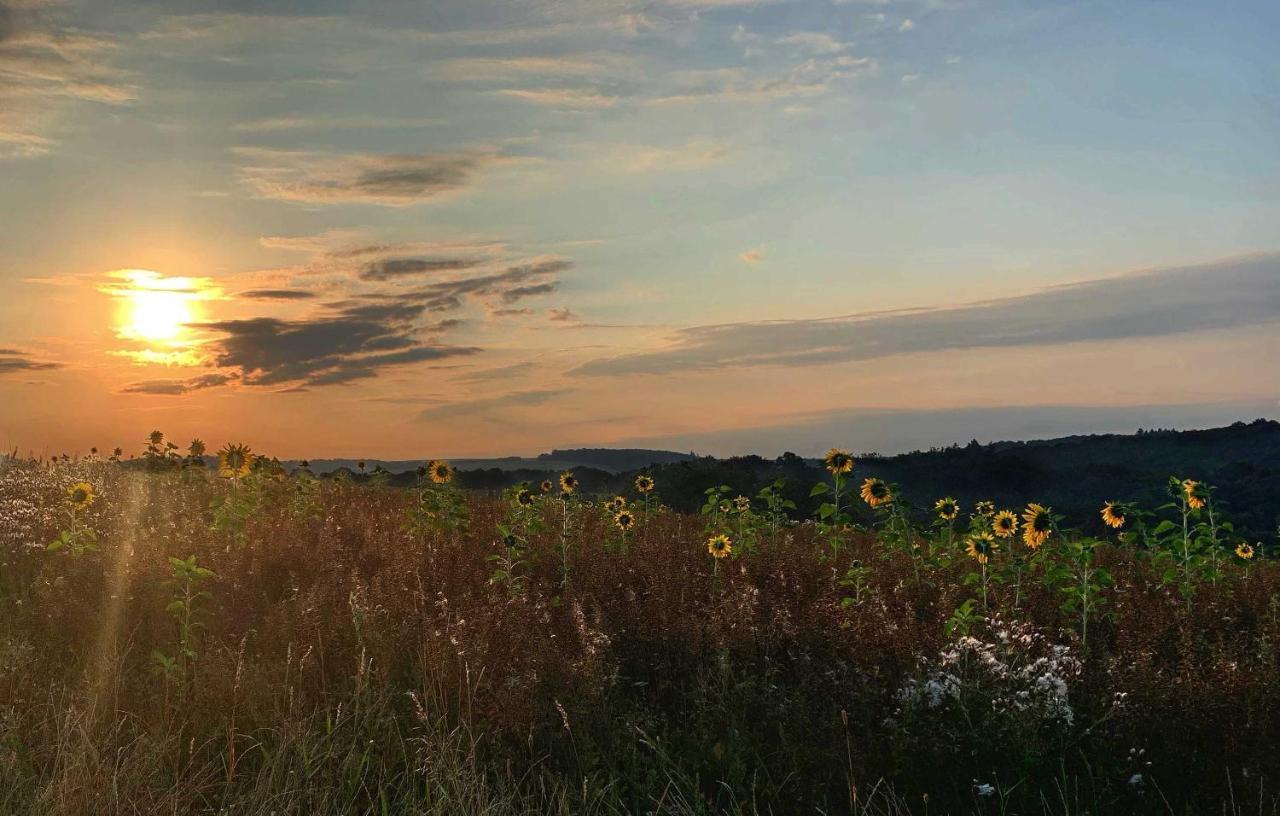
point(183, 639)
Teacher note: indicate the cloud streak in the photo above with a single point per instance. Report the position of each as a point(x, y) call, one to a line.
point(1221, 295)
point(14, 361)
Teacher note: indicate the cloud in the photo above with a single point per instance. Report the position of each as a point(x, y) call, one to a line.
point(630, 158)
point(815, 41)
point(397, 268)
point(353, 340)
point(1220, 295)
point(577, 98)
point(276, 294)
point(563, 315)
point(907, 25)
point(490, 68)
point(393, 180)
point(274, 124)
point(751, 256)
point(175, 388)
point(14, 361)
point(487, 405)
point(44, 69)
point(813, 77)
point(506, 286)
point(487, 375)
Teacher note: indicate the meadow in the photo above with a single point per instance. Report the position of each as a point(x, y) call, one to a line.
point(178, 638)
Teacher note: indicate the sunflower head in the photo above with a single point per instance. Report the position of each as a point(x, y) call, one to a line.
point(838, 461)
point(742, 504)
point(1037, 525)
point(440, 471)
point(235, 461)
point(618, 503)
point(644, 483)
point(984, 508)
point(156, 438)
point(947, 508)
point(875, 492)
point(981, 546)
point(524, 497)
point(1113, 515)
point(568, 483)
point(546, 486)
point(80, 495)
point(1193, 491)
point(1244, 551)
point(624, 520)
point(719, 546)
point(1004, 524)
point(196, 448)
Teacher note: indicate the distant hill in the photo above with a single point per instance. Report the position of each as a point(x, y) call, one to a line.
point(606, 459)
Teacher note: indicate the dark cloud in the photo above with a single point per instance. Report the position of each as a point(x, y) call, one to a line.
point(277, 294)
point(1220, 295)
point(563, 315)
point(521, 292)
point(511, 312)
point(354, 340)
point(396, 268)
point(508, 285)
point(12, 361)
point(178, 387)
point(392, 180)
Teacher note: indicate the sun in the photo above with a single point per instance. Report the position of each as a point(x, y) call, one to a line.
point(159, 313)
point(158, 316)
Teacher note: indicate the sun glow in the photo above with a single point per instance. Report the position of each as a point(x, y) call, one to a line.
point(159, 313)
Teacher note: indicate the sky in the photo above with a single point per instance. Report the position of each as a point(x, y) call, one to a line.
point(458, 228)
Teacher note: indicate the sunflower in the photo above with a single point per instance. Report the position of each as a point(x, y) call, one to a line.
point(80, 495)
point(984, 508)
point(235, 461)
point(440, 471)
point(546, 485)
point(568, 483)
point(196, 449)
point(1113, 515)
point(644, 483)
point(524, 497)
point(624, 520)
point(838, 461)
point(1245, 551)
point(1191, 490)
point(618, 503)
point(742, 504)
point(875, 492)
point(1037, 525)
point(982, 546)
point(1004, 524)
point(719, 546)
point(947, 508)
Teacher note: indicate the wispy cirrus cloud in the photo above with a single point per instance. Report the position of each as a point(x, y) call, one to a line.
point(1220, 295)
point(577, 98)
point(174, 387)
point(491, 405)
point(393, 180)
point(276, 294)
point(14, 361)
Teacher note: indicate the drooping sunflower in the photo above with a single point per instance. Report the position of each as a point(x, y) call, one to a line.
point(982, 546)
point(80, 495)
point(947, 508)
point(524, 497)
point(719, 546)
point(546, 485)
point(624, 520)
point(440, 471)
point(618, 503)
point(838, 461)
point(875, 492)
point(984, 508)
point(1244, 551)
point(196, 449)
point(742, 504)
point(568, 483)
point(644, 483)
point(235, 461)
point(1191, 490)
point(1037, 525)
point(1004, 524)
point(1113, 515)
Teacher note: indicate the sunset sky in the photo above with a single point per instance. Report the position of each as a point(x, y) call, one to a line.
point(463, 228)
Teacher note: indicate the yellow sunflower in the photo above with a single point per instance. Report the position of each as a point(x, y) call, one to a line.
point(1004, 524)
point(618, 503)
point(947, 508)
point(440, 471)
point(624, 520)
point(982, 546)
point(568, 483)
point(524, 498)
point(1037, 525)
point(838, 461)
point(1244, 551)
point(235, 461)
point(984, 508)
point(719, 546)
point(1113, 515)
point(1191, 490)
point(80, 495)
point(875, 492)
point(546, 485)
point(644, 483)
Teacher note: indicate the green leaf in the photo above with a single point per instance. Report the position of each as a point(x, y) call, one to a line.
point(819, 489)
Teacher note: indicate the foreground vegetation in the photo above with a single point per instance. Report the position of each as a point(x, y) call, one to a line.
point(246, 641)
